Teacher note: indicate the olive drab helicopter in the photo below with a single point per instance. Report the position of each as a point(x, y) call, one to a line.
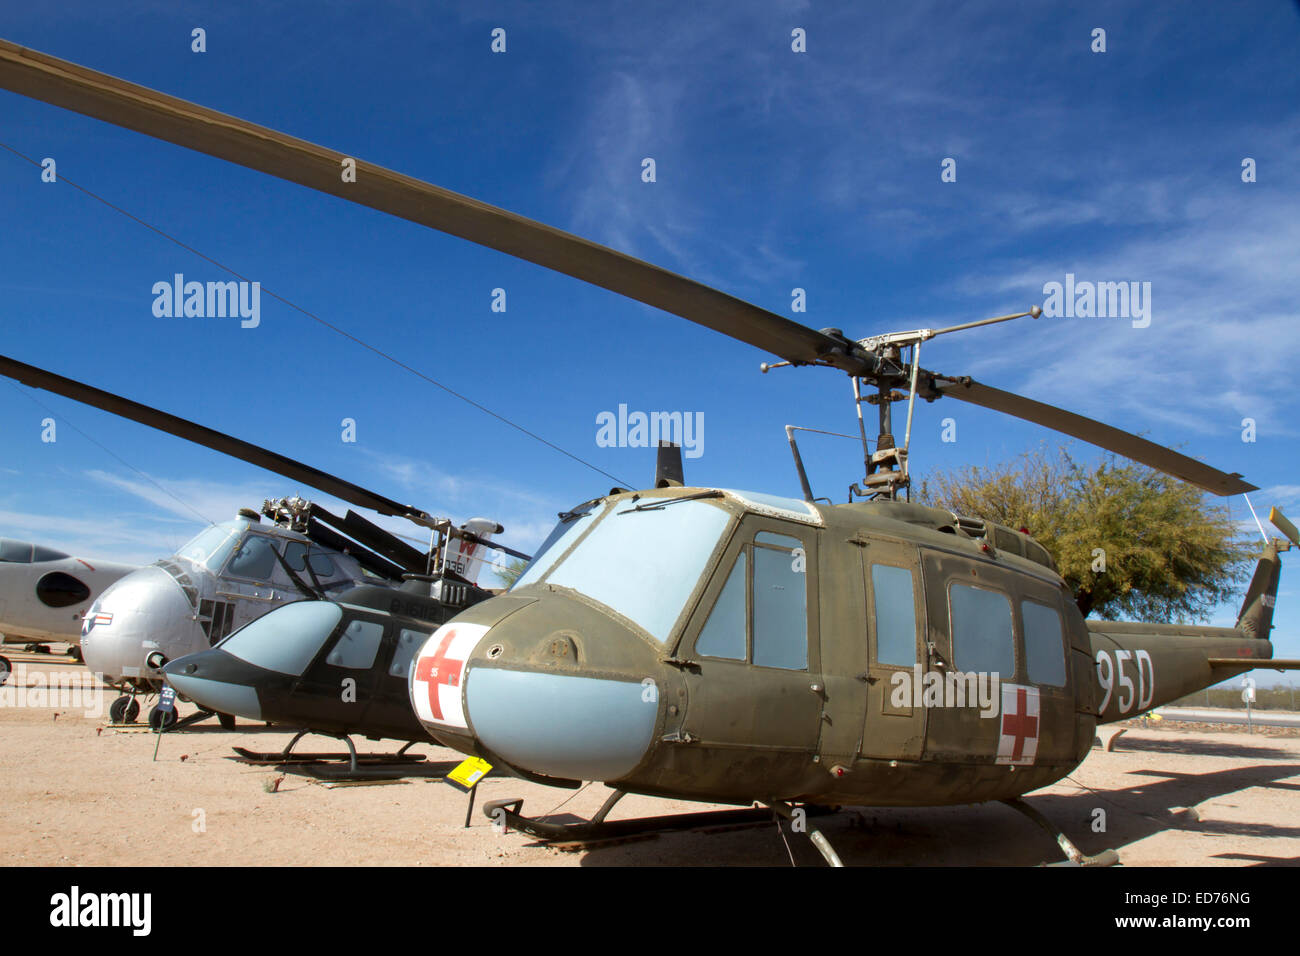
point(235, 572)
point(738, 647)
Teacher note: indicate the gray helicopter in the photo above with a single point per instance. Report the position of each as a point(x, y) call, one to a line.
point(234, 572)
point(231, 573)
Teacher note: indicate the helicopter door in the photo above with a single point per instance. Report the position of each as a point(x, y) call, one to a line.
point(253, 579)
point(338, 687)
point(972, 636)
point(390, 712)
point(751, 694)
point(1046, 671)
point(894, 725)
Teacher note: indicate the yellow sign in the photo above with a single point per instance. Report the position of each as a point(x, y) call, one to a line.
point(467, 775)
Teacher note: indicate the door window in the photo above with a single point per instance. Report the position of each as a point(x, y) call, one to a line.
point(983, 639)
point(357, 645)
point(895, 604)
point(1044, 644)
point(780, 603)
point(761, 615)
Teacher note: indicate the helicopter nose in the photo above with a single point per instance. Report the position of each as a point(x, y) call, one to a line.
point(527, 695)
point(216, 681)
point(579, 728)
point(136, 617)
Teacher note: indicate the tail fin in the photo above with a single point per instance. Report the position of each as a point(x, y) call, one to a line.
point(1256, 618)
point(466, 557)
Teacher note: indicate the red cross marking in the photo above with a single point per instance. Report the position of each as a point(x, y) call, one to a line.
point(438, 670)
point(1020, 725)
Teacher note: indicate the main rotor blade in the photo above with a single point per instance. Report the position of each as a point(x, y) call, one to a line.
point(116, 101)
point(1094, 432)
point(201, 435)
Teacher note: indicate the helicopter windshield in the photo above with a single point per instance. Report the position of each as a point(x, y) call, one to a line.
point(643, 564)
point(212, 546)
point(557, 542)
point(287, 639)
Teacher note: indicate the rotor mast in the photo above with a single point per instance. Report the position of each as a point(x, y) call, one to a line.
point(886, 368)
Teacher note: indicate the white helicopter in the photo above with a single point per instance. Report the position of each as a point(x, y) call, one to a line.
point(45, 592)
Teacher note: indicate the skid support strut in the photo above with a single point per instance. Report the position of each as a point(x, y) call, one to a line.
point(1075, 855)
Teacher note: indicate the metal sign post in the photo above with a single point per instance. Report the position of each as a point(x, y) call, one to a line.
point(166, 705)
point(1248, 697)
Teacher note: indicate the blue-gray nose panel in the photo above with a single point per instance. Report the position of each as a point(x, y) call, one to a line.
point(218, 695)
point(581, 728)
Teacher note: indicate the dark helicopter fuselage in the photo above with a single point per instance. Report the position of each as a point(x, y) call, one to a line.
point(334, 667)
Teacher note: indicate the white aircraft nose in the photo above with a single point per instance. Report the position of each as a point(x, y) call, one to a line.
point(145, 611)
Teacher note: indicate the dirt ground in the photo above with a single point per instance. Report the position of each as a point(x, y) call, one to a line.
point(78, 792)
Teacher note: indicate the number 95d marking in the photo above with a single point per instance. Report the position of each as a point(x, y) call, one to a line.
point(1110, 673)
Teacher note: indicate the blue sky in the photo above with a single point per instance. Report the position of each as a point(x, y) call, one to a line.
point(774, 170)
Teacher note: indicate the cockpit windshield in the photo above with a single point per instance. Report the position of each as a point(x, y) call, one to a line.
point(286, 639)
point(642, 562)
point(17, 552)
point(213, 545)
point(572, 524)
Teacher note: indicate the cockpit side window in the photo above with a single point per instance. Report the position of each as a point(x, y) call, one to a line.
point(298, 554)
point(761, 614)
point(254, 558)
point(295, 555)
point(408, 642)
point(724, 634)
point(357, 645)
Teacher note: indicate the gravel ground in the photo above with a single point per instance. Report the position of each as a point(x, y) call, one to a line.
point(78, 792)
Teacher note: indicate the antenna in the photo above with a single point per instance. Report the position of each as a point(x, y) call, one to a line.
point(798, 459)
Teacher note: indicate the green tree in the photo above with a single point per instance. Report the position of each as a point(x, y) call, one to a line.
point(1130, 542)
point(509, 572)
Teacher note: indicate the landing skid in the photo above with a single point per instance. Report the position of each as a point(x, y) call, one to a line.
point(264, 757)
point(509, 813)
point(193, 718)
point(287, 756)
point(1075, 856)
